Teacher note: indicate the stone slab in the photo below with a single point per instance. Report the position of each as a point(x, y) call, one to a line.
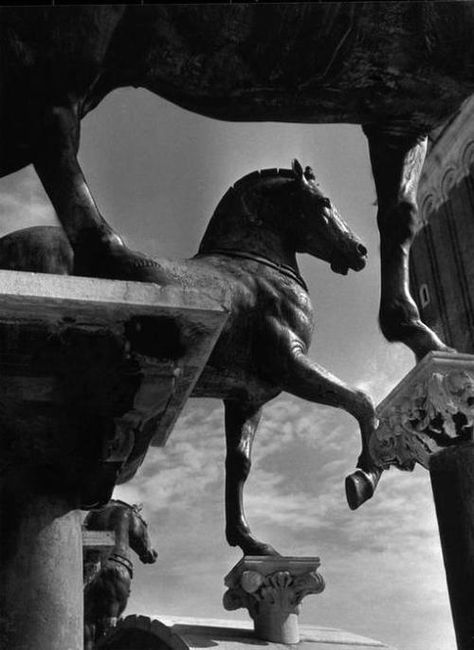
point(40, 295)
point(186, 633)
point(28, 299)
point(266, 565)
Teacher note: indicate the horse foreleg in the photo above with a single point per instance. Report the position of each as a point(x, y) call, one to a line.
point(397, 161)
point(307, 380)
point(241, 422)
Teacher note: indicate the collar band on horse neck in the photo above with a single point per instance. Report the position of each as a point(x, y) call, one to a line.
point(124, 561)
point(284, 269)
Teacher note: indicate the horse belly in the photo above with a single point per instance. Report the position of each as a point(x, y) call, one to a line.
point(317, 63)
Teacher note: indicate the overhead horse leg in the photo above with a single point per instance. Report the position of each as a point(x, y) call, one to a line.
point(309, 381)
point(241, 422)
point(98, 250)
point(397, 160)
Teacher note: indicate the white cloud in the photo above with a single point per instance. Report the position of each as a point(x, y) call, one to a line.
point(23, 202)
point(383, 557)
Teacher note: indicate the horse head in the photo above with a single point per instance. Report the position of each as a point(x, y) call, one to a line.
point(318, 228)
point(139, 537)
point(279, 212)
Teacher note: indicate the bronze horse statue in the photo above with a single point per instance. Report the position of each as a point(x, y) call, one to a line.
point(107, 593)
point(249, 250)
point(397, 68)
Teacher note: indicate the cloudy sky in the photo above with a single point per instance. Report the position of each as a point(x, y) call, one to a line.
point(157, 173)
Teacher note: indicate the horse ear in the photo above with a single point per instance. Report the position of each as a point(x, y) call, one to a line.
point(309, 174)
point(297, 169)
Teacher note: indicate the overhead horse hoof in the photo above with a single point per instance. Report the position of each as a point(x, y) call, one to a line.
point(360, 487)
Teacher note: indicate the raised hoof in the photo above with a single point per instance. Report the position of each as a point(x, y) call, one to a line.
point(260, 549)
point(360, 487)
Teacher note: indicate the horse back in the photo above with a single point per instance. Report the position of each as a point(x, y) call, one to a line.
point(40, 249)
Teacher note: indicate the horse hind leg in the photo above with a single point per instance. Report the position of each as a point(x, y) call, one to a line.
point(98, 250)
point(241, 422)
point(397, 160)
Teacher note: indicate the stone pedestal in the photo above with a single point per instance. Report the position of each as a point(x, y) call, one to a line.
point(271, 589)
point(91, 371)
point(428, 419)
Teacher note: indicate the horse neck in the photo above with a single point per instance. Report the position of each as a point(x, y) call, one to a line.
point(116, 520)
point(250, 239)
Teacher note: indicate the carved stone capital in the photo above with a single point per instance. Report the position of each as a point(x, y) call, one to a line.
point(271, 589)
point(431, 408)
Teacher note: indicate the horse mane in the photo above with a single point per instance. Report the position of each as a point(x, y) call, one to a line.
point(230, 207)
point(250, 179)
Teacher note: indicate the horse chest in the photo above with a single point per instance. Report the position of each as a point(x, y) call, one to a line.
point(262, 308)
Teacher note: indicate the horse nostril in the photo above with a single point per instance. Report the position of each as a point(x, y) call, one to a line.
point(361, 249)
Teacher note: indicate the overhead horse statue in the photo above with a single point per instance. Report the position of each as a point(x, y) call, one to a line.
point(249, 250)
point(397, 68)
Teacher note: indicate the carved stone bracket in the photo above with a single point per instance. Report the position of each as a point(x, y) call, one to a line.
point(156, 388)
point(271, 589)
point(431, 408)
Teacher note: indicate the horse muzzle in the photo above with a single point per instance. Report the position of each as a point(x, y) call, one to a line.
point(356, 260)
point(149, 557)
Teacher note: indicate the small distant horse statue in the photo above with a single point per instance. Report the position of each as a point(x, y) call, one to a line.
point(250, 249)
point(106, 594)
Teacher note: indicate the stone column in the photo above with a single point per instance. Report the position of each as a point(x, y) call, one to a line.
point(41, 602)
point(271, 589)
point(452, 480)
